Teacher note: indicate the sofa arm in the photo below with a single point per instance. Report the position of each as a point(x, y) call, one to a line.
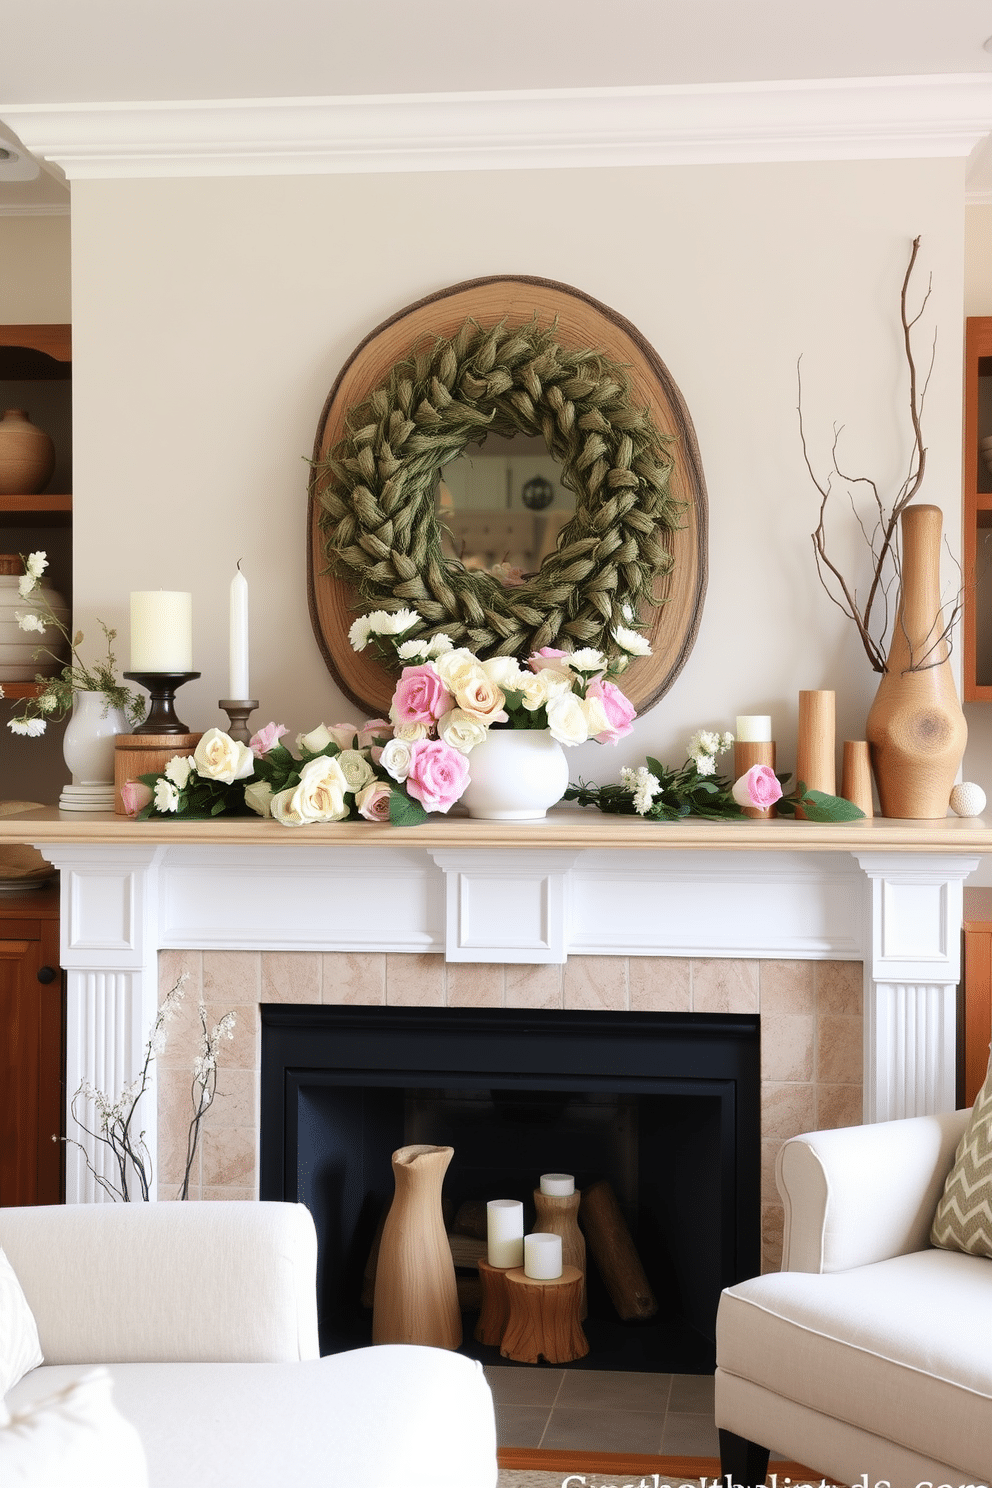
point(135, 1283)
point(862, 1194)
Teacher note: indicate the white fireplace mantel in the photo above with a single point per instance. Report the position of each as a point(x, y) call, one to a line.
point(888, 894)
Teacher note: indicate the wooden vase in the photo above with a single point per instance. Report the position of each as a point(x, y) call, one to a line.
point(558, 1214)
point(916, 727)
point(416, 1298)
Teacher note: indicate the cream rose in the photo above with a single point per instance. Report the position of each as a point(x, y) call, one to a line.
point(356, 769)
point(455, 667)
point(481, 698)
point(504, 672)
point(566, 719)
point(319, 797)
point(219, 757)
point(461, 730)
point(258, 794)
point(537, 687)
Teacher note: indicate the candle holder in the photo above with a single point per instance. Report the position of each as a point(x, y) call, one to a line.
point(237, 710)
point(162, 688)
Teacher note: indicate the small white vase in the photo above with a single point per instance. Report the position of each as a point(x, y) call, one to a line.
point(17, 646)
point(88, 742)
point(515, 775)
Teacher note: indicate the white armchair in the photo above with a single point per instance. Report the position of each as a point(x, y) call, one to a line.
point(870, 1352)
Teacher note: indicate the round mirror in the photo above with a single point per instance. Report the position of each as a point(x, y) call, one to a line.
point(516, 364)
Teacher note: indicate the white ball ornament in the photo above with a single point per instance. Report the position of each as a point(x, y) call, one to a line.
point(967, 799)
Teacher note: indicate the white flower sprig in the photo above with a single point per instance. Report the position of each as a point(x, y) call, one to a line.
point(705, 746)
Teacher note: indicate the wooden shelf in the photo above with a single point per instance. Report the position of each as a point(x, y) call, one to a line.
point(35, 511)
point(16, 691)
point(977, 513)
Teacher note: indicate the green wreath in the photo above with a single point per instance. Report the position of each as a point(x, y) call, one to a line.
point(376, 489)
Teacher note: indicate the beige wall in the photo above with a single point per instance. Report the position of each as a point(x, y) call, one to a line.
point(34, 270)
point(211, 317)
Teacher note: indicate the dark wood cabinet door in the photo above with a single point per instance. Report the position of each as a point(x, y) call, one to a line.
point(31, 1051)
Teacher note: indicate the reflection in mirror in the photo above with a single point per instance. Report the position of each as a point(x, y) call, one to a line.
point(501, 506)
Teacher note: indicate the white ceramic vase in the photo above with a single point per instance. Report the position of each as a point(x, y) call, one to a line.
point(515, 775)
point(17, 646)
point(88, 742)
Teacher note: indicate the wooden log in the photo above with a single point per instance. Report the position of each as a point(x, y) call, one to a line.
point(471, 1219)
point(613, 1249)
point(543, 1321)
point(495, 1308)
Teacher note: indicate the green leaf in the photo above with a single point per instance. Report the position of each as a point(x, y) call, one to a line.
point(404, 811)
point(820, 807)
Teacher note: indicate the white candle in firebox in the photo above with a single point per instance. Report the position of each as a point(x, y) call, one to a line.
point(542, 1256)
point(505, 1229)
point(558, 1185)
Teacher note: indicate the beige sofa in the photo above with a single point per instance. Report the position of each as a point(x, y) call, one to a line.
point(871, 1351)
point(205, 1318)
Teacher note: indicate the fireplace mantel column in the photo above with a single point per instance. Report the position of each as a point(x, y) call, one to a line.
point(109, 950)
point(913, 975)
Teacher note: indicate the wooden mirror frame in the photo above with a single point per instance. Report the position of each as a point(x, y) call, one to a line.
point(582, 322)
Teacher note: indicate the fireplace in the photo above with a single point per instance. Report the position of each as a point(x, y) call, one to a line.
point(665, 1106)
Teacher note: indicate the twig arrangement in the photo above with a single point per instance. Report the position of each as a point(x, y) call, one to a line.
point(873, 615)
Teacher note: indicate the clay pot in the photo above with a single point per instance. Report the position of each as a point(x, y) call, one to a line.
point(27, 455)
point(916, 726)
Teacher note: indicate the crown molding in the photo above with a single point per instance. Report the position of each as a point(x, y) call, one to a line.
point(820, 119)
point(34, 209)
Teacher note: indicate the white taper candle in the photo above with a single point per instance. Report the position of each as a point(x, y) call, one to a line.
point(238, 677)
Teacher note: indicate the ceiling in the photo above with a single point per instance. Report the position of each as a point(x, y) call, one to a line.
point(118, 51)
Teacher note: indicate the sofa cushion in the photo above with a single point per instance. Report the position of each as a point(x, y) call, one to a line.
point(394, 1413)
point(895, 1348)
point(19, 1346)
point(72, 1437)
point(963, 1220)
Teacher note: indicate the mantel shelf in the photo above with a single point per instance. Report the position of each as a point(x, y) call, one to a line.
point(564, 828)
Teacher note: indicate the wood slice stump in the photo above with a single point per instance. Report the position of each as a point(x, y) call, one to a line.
point(544, 1318)
point(557, 1214)
point(495, 1310)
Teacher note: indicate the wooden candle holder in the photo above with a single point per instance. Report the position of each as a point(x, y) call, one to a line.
point(557, 1214)
point(495, 1310)
point(146, 754)
point(816, 763)
point(856, 776)
point(543, 1320)
point(747, 754)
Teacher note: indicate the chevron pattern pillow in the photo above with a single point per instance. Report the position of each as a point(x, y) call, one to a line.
point(964, 1215)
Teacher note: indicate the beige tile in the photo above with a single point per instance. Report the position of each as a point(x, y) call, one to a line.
point(183, 1035)
point(786, 1110)
point(356, 978)
point(839, 1050)
point(290, 976)
point(659, 984)
point(772, 1234)
point(229, 1157)
point(840, 987)
point(839, 1105)
point(595, 983)
point(172, 965)
point(787, 986)
point(787, 1046)
point(229, 1193)
point(235, 1101)
point(474, 985)
point(414, 980)
point(724, 986)
point(770, 1149)
point(232, 977)
point(244, 1050)
point(175, 1112)
point(533, 986)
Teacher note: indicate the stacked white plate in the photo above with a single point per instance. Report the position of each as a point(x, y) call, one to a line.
point(87, 798)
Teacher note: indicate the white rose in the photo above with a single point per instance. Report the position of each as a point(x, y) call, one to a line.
point(411, 732)
point(258, 794)
point(356, 769)
point(504, 671)
point(595, 716)
point(461, 731)
point(456, 666)
point(219, 757)
point(319, 797)
point(395, 759)
point(537, 687)
point(179, 769)
point(566, 719)
point(316, 740)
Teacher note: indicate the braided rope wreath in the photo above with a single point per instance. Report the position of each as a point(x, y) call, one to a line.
point(376, 488)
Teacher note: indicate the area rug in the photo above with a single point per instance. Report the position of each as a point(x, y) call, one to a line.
point(523, 1467)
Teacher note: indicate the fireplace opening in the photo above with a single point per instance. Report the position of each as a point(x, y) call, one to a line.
point(664, 1107)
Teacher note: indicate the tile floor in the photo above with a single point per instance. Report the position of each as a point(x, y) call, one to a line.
point(599, 1410)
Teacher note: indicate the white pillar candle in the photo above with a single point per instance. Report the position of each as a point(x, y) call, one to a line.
point(559, 1185)
point(542, 1256)
point(505, 1230)
point(161, 631)
point(237, 687)
point(754, 728)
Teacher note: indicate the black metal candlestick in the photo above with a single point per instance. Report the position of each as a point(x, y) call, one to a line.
point(162, 688)
point(237, 710)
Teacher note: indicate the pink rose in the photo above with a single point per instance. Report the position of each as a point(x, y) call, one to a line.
point(620, 711)
point(759, 788)
point(373, 801)
point(420, 696)
point(134, 795)
point(343, 734)
point(547, 657)
point(376, 729)
point(438, 774)
point(266, 738)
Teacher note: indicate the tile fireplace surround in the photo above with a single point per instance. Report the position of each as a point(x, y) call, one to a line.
point(845, 938)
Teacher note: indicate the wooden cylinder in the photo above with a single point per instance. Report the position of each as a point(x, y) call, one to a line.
point(416, 1296)
point(558, 1214)
point(856, 775)
point(146, 754)
point(816, 746)
point(747, 754)
point(612, 1248)
point(543, 1321)
point(495, 1309)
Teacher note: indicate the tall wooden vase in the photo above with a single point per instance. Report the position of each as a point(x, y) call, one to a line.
point(916, 727)
point(416, 1299)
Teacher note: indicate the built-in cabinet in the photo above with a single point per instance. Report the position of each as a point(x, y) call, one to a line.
point(978, 511)
point(32, 1050)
